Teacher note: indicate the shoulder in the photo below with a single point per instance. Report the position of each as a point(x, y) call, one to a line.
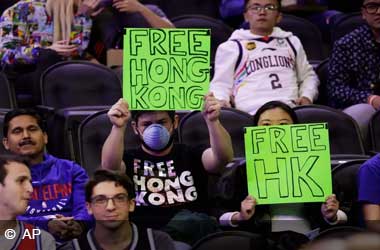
point(163, 240)
point(360, 34)
point(371, 166)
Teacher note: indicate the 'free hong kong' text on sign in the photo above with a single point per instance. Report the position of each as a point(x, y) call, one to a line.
point(166, 69)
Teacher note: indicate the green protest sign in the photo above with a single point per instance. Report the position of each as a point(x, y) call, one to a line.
point(166, 69)
point(289, 163)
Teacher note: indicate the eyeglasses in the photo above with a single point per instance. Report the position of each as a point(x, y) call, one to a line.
point(258, 8)
point(371, 8)
point(118, 200)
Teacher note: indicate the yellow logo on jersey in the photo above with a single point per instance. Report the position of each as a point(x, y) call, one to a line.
point(250, 45)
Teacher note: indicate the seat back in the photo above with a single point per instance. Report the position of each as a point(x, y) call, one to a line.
point(193, 129)
point(344, 24)
point(345, 186)
point(92, 133)
point(308, 33)
point(7, 93)
point(374, 130)
point(232, 240)
point(322, 71)
point(79, 83)
point(220, 31)
point(344, 133)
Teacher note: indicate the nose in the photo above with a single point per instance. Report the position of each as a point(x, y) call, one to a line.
point(26, 133)
point(110, 204)
point(29, 187)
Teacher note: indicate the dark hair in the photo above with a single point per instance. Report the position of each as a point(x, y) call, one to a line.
point(17, 112)
point(7, 159)
point(246, 3)
point(137, 113)
point(273, 105)
point(102, 175)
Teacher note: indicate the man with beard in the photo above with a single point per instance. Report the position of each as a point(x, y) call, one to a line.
point(170, 179)
point(57, 203)
point(110, 198)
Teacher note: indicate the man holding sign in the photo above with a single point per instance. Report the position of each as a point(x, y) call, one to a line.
point(168, 177)
point(288, 167)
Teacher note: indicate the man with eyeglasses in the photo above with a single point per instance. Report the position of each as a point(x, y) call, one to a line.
point(110, 197)
point(354, 68)
point(263, 63)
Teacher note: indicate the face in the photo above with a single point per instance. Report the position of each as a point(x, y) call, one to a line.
point(17, 189)
point(25, 137)
point(276, 116)
point(110, 213)
point(371, 13)
point(262, 20)
point(158, 117)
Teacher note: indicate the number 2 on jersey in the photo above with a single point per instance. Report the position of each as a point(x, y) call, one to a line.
point(275, 81)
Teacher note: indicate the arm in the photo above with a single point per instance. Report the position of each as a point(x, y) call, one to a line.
point(371, 214)
point(79, 180)
point(247, 210)
point(152, 18)
point(306, 77)
point(341, 93)
point(220, 152)
point(223, 81)
point(113, 148)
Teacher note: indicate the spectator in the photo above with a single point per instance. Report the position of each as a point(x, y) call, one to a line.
point(15, 192)
point(37, 34)
point(168, 177)
point(262, 64)
point(119, 14)
point(58, 201)
point(113, 229)
point(297, 217)
point(369, 192)
point(354, 69)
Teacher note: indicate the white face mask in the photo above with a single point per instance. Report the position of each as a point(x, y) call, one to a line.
point(156, 137)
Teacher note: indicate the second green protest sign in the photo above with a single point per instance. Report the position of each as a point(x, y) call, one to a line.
point(166, 69)
point(289, 163)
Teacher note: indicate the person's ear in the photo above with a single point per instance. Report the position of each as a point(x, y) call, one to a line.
point(134, 127)
point(279, 18)
point(5, 143)
point(176, 122)
point(132, 205)
point(89, 209)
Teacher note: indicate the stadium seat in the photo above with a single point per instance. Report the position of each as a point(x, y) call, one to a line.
point(7, 93)
point(374, 130)
point(344, 24)
point(193, 129)
point(322, 72)
point(345, 186)
point(68, 86)
point(339, 232)
point(220, 31)
point(345, 139)
point(232, 240)
point(2, 114)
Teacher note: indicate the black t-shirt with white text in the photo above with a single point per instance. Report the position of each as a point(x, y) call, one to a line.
point(166, 184)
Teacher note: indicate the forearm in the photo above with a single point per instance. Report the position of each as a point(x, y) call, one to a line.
point(154, 20)
point(220, 142)
point(113, 148)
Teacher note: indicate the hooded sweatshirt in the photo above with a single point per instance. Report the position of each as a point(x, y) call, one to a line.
point(253, 70)
point(58, 188)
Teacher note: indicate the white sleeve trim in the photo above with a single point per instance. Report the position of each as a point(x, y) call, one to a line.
point(341, 217)
point(226, 219)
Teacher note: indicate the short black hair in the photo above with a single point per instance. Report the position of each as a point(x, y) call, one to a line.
point(137, 113)
point(102, 175)
point(7, 159)
point(17, 112)
point(246, 3)
point(273, 105)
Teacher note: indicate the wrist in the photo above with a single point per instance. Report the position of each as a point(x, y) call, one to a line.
point(371, 99)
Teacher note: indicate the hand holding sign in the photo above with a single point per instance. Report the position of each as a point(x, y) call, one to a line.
point(211, 108)
point(330, 208)
point(119, 113)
